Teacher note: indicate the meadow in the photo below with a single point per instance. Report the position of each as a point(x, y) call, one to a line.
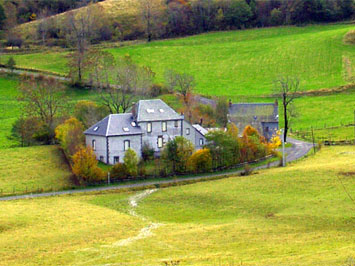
point(236, 63)
point(299, 215)
point(33, 169)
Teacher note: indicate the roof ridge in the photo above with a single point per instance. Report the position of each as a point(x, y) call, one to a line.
point(108, 124)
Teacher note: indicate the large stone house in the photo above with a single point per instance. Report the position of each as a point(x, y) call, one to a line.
point(151, 122)
point(262, 116)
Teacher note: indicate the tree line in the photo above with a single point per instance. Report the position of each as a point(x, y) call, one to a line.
point(155, 19)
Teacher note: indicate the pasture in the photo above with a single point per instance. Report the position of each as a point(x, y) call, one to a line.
point(236, 63)
point(29, 169)
point(299, 215)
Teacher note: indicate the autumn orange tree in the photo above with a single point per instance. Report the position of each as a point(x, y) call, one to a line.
point(253, 145)
point(85, 166)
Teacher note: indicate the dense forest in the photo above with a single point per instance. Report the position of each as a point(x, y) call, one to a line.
point(156, 19)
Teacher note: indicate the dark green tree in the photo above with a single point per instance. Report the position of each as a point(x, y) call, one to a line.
point(11, 63)
point(2, 17)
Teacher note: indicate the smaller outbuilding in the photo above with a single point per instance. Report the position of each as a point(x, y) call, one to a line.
point(262, 116)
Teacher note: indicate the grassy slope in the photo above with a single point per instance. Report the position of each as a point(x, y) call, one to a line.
point(10, 107)
point(298, 215)
point(32, 168)
point(238, 63)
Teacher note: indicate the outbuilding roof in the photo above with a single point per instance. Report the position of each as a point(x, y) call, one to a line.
point(155, 110)
point(115, 125)
point(254, 112)
point(200, 129)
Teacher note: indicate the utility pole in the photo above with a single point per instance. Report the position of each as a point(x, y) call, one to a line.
point(283, 148)
point(314, 147)
point(108, 178)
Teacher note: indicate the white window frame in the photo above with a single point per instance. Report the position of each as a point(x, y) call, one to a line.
point(187, 131)
point(164, 126)
point(201, 142)
point(124, 144)
point(149, 127)
point(160, 142)
point(93, 144)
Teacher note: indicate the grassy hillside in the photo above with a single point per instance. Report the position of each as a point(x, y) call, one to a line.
point(298, 215)
point(33, 168)
point(237, 63)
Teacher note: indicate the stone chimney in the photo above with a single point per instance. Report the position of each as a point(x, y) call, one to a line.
point(134, 110)
point(201, 121)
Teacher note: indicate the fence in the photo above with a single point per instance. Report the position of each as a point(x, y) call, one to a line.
point(37, 189)
point(343, 134)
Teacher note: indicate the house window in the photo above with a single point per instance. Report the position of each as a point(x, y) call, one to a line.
point(201, 141)
point(116, 159)
point(160, 141)
point(267, 129)
point(176, 123)
point(127, 144)
point(163, 126)
point(188, 131)
point(102, 158)
point(93, 144)
point(149, 127)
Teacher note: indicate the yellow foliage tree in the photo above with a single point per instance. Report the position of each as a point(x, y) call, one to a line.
point(70, 136)
point(200, 161)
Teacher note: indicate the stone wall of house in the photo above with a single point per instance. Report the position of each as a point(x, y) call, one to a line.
point(100, 146)
point(116, 147)
point(173, 130)
point(269, 129)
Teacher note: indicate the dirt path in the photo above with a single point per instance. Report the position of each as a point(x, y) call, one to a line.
point(145, 231)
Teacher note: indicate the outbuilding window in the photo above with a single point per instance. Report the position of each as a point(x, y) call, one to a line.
point(127, 144)
point(93, 144)
point(201, 141)
point(116, 159)
point(163, 126)
point(176, 123)
point(188, 131)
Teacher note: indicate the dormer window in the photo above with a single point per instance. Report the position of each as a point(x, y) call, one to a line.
point(125, 129)
point(161, 110)
point(150, 110)
point(96, 129)
point(133, 124)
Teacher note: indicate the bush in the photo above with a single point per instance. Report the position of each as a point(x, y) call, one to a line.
point(119, 171)
point(11, 63)
point(147, 152)
point(131, 162)
point(200, 161)
point(349, 38)
point(156, 90)
point(14, 40)
point(85, 166)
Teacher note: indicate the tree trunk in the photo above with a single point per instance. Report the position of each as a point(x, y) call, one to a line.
point(286, 119)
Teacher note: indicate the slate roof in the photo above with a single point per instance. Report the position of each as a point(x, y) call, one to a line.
point(254, 112)
point(200, 129)
point(155, 110)
point(115, 125)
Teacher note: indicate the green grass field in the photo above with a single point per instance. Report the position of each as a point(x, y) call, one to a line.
point(237, 62)
point(299, 215)
point(31, 168)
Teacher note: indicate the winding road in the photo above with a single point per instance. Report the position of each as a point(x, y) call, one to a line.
point(297, 151)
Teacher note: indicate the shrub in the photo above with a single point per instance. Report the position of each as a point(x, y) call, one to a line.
point(85, 166)
point(349, 38)
point(147, 152)
point(11, 63)
point(119, 171)
point(200, 161)
point(131, 162)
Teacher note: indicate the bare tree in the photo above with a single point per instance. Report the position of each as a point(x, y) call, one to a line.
point(287, 88)
point(183, 83)
point(81, 27)
point(118, 85)
point(152, 14)
point(43, 98)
